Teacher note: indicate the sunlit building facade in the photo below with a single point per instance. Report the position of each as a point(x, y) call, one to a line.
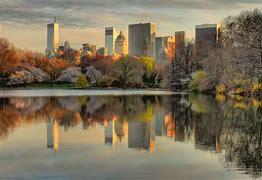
point(164, 45)
point(110, 37)
point(52, 37)
point(121, 44)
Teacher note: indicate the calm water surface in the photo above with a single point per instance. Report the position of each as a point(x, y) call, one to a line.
point(130, 137)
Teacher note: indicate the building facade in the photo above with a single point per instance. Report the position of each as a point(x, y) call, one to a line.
point(52, 37)
point(165, 46)
point(102, 52)
point(110, 37)
point(121, 44)
point(207, 36)
point(142, 39)
point(88, 49)
point(180, 39)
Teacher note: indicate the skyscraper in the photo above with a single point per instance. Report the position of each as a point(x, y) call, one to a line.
point(141, 39)
point(207, 36)
point(110, 37)
point(121, 44)
point(166, 44)
point(52, 37)
point(180, 38)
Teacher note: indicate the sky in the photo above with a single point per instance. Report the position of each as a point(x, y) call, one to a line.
point(23, 22)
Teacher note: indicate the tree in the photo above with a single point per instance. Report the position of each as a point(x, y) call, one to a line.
point(55, 67)
point(181, 66)
point(127, 70)
point(8, 57)
point(81, 81)
point(243, 35)
point(184, 63)
point(236, 61)
point(70, 74)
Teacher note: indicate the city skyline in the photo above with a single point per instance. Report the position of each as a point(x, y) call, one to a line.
point(24, 22)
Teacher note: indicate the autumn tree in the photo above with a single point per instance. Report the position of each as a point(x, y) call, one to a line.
point(8, 57)
point(55, 67)
point(127, 70)
point(243, 34)
point(236, 61)
point(180, 67)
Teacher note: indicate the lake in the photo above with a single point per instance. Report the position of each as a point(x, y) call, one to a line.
point(129, 135)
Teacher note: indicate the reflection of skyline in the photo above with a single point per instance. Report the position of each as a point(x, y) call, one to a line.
point(141, 135)
point(52, 134)
point(137, 121)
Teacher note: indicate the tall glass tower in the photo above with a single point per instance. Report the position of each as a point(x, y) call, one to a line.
point(52, 37)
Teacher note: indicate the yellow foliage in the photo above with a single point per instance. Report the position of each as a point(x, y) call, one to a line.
point(257, 87)
point(220, 98)
point(240, 105)
point(81, 100)
point(220, 89)
point(238, 98)
point(147, 115)
point(239, 81)
point(257, 103)
point(238, 91)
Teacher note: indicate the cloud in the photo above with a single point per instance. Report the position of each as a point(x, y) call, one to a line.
point(84, 20)
point(90, 13)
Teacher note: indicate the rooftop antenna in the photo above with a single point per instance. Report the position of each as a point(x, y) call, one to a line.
point(55, 19)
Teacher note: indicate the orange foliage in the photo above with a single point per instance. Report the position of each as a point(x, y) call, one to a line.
point(8, 56)
point(56, 66)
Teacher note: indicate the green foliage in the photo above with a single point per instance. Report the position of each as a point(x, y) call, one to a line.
point(152, 80)
point(81, 81)
point(148, 64)
point(105, 81)
point(127, 71)
point(198, 80)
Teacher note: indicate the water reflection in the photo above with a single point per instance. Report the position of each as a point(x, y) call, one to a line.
point(231, 127)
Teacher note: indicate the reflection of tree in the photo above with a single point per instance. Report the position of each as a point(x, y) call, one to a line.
point(211, 125)
point(237, 130)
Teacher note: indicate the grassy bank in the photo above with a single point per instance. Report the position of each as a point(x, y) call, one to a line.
point(43, 85)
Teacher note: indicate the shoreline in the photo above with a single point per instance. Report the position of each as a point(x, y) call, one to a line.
point(84, 92)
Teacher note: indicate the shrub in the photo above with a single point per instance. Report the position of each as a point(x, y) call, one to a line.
point(105, 81)
point(81, 81)
point(199, 78)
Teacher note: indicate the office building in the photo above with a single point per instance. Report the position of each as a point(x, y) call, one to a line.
point(165, 49)
point(52, 37)
point(88, 49)
point(142, 39)
point(207, 36)
point(110, 37)
point(121, 44)
point(67, 46)
point(180, 39)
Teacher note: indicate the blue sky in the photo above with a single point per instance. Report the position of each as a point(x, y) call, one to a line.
point(23, 22)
